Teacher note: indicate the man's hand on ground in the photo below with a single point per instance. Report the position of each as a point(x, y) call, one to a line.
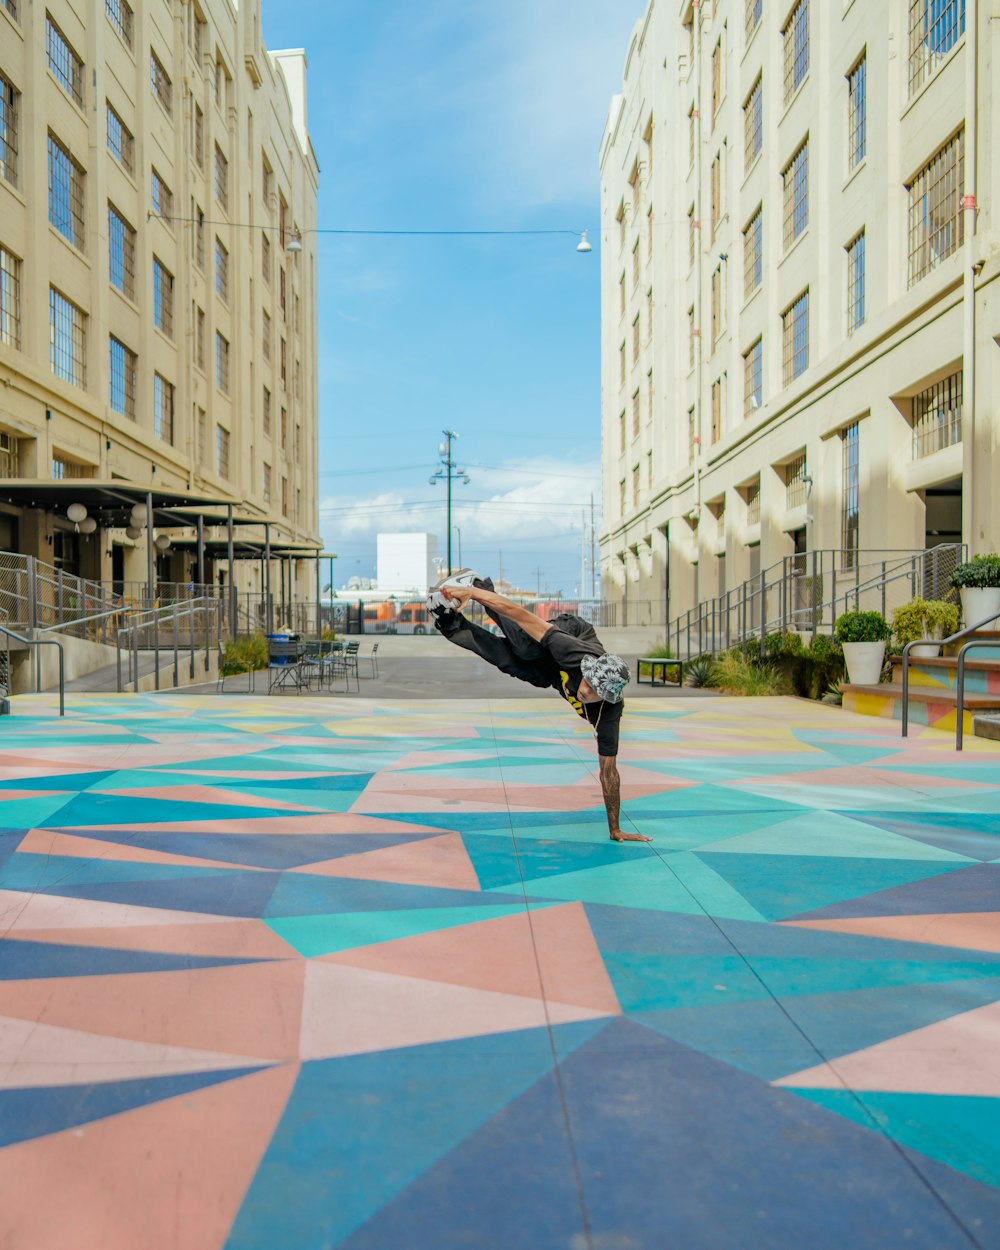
point(617, 836)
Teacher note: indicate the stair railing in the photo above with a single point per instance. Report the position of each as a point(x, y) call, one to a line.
point(960, 681)
point(43, 642)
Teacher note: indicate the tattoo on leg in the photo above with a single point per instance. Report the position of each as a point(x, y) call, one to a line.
point(611, 785)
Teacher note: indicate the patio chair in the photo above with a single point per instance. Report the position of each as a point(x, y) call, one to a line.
point(284, 665)
point(373, 657)
point(238, 668)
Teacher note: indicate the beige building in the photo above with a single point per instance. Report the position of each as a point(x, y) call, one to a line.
point(800, 308)
point(157, 275)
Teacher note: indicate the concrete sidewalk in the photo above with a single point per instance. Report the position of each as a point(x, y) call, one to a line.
point(366, 974)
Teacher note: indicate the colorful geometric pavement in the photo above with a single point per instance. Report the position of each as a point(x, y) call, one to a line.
point(300, 974)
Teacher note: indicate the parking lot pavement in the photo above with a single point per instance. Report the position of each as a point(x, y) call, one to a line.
point(368, 973)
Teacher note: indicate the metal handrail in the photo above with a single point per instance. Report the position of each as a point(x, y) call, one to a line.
point(153, 619)
point(84, 620)
point(960, 685)
point(44, 642)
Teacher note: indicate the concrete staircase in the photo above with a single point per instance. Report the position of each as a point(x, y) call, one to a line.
point(933, 697)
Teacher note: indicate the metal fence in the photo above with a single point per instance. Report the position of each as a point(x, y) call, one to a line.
point(185, 631)
point(806, 593)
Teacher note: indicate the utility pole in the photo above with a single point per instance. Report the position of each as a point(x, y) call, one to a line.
point(593, 590)
point(583, 553)
point(446, 471)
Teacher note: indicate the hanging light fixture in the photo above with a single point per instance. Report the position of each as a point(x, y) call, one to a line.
point(133, 532)
point(76, 513)
point(583, 245)
point(138, 515)
point(294, 244)
point(162, 542)
point(87, 525)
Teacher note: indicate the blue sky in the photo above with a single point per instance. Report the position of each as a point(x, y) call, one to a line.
point(468, 115)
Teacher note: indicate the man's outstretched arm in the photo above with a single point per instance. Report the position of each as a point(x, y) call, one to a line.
point(611, 785)
point(532, 625)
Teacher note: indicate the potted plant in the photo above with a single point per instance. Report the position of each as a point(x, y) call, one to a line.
point(924, 618)
point(978, 580)
point(863, 636)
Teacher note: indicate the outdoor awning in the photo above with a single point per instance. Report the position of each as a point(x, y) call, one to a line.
point(111, 502)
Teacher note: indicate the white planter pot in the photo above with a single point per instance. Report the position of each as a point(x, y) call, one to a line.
point(926, 650)
point(978, 602)
point(864, 662)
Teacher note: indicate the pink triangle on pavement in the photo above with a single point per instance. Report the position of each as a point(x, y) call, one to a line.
point(52, 842)
point(976, 931)
point(958, 1056)
point(20, 909)
point(230, 939)
point(351, 1011)
point(441, 861)
point(171, 1175)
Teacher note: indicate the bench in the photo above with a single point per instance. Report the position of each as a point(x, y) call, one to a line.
point(656, 663)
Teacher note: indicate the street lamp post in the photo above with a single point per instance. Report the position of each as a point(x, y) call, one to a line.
point(458, 531)
point(446, 472)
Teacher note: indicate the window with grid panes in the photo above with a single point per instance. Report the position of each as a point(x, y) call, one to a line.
point(857, 113)
point(795, 185)
point(795, 36)
point(716, 77)
point(222, 363)
point(163, 298)
point(649, 471)
point(283, 292)
point(620, 218)
point(937, 416)
point(221, 178)
point(621, 295)
point(10, 6)
point(753, 124)
point(649, 232)
point(753, 253)
point(649, 395)
point(10, 298)
point(267, 182)
point(621, 364)
point(199, 338)
point(692, 437)
point(621, 433)
point(850, 498)
point(716, 410)
point(199, 238)
point(935, 27)
point(753, 503)
point(162, 198)
point(692, 237)
point(221, 271)
point(283, 363)
point(199, 137)
point(752, 14)
point(160, 84)
point(691, 337)
point(795, 482)
point(265, 256)
point(163, 409)
point(795, 338)
point(716, 305)
point(121, 378)
point(65, 193)
point(622, 502)
point(284, 496)
point(265, 333)
point(266, 483)
point(62, 60)
point(635, 263)
point(753, 378)
point(284, 429)
point(120, 16)
point(856, 283)
point(936, 220)
point(282, 220)
point(716, 194)
point(10, 100)
point(649, 314)
point(199, 27)
point(121, 144)
point(636, 409)
point(121, 253)
point(266, 412)
point(222, 451)
point(635, 339)
point(692, 134)
point(298, 379)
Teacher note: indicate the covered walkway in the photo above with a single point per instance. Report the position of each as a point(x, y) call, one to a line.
point(318, 973)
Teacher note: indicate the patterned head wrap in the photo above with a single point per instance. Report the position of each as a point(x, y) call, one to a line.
point(608, 674)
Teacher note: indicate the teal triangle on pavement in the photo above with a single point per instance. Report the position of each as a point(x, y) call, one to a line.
point(782, 886)
point(33, 813)
point(831, 834)
point(39, 872)
point(415, 1104)
point(505, 863)
point(713, 893)
point(642, 882)
point(958, 1130)
point(325, 935)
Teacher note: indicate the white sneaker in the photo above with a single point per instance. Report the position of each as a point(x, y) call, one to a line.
point(464, 577)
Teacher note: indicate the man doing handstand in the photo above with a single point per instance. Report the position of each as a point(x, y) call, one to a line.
point(564, 655)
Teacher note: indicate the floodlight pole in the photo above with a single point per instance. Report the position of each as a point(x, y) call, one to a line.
point(446, 471)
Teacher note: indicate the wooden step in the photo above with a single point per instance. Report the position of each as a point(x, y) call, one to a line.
point(946, 662)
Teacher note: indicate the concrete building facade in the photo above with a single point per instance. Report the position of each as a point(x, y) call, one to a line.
point(800, 296)
point(155, 326)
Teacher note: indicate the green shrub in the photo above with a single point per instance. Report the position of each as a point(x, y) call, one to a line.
point(823, 649)
point(733, 674)
point(862, 627)
point(979, 573)
point(751, 647)
point(662, 651)
point(240, 655)
point(781, 646)
point(922, 618)
point(699, 672)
